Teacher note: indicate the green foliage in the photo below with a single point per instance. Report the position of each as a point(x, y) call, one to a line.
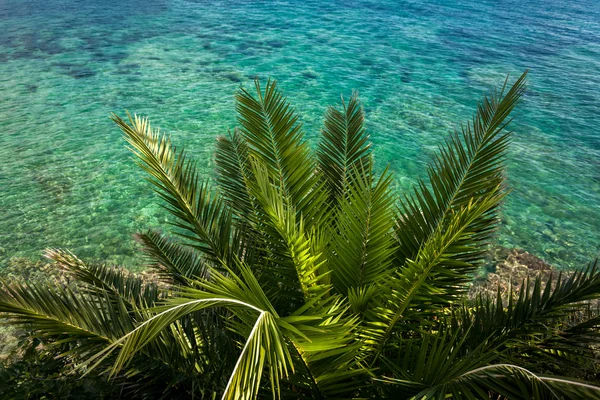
point(303, 275)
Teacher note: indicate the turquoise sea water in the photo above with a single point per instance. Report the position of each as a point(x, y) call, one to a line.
point(67, 180)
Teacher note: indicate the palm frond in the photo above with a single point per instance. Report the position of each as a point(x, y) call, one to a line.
point(49, 311)
point(467, 168)
point(103, 304)
point(362, 247)
point(172, 261)
point(410, 287)
point(455, 360)
point(566, 348)
point(344, 146)
point(264, 347)
point(504, 380)
point(427, 361)
point(232, 166)
point(329, 359)
point(274, 137)
point(199, 211)
point(102, 280)
point(528, 322)
point(538, 303)
point(292, 266)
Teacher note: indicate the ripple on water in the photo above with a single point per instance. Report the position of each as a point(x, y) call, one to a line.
point(66, 179)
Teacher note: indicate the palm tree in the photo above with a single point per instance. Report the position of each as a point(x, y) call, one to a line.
point(304, 275)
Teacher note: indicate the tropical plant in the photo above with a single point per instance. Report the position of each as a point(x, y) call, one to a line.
point(304, 275)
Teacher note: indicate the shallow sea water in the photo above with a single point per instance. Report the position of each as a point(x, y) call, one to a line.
point(66, 179)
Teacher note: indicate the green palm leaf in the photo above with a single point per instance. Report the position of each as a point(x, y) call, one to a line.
point(105, 280)
point(410, 287)
point(428, 360)
point(504, 380)
point(172, 261)
point(232, 166)
point(528, 322)
point(293, 266)
point(468, 167)
point(49, 312)
point(344, 146)
point(362, 247)
point(275, 138)
point(245, 299)
point(453, 362)
point(200, 213)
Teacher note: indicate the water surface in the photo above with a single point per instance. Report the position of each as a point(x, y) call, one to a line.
point(66, 179)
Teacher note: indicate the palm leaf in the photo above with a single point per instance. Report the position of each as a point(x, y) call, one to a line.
point(172, 261)
point(344, 146)
point(504, 380)
point(566, 347)
point(410, 286)
point(362, 247)
point(467, 168)
point(527, 324)
point(50, 313)
point(271, 130)
point(232, 166)
point(264, 345)
point(456, 360)
point(427, 360)
point(102, 280)
point(292, 266)
point(200, 213)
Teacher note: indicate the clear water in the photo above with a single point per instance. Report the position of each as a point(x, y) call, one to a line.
point(67, 180)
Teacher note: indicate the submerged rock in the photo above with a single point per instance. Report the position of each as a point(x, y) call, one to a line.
point(509, 269)
point(76, 71)
point(310, 74)
point(366, 62)
point(58, 187)
point(233, 76)
point(277, 44)
point(405, 77)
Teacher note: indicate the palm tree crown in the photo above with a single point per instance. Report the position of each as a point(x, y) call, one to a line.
point(304, 275)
